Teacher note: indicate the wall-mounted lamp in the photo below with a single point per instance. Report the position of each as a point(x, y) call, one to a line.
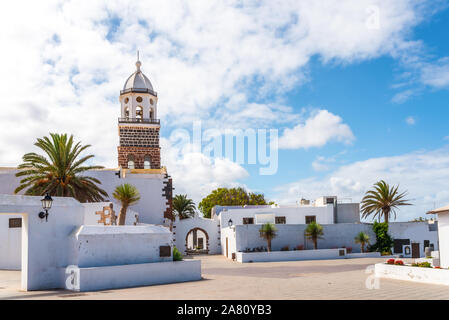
point(47, 201)
point(230, 222)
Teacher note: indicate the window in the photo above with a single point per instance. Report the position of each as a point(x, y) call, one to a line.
point(127, 113)
point(139, 113)
point(151, 101)
point(15, 223)
point(147, 162)
point(330, 200)
point(130, 162)
point(310, 219)
point(151, 113)
point(126, 100)
point(248, 220)
point(139, 99)
point(279, 220)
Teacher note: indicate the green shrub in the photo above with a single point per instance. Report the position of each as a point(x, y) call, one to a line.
point(422, 264)
point(384, 242)
point(177, 255)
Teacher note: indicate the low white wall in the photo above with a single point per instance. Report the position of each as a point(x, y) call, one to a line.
point(321, 254)
point(416, 274)
point(132, 275)
point(10, 244)
point(364, 255)
point(335, 235)
point(117, 245)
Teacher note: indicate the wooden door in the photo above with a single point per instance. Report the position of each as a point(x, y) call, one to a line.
point(415, 250)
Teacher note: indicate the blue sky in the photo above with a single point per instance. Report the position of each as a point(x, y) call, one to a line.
point(358, 90)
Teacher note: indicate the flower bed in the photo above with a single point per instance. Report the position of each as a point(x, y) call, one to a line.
point(417, 272)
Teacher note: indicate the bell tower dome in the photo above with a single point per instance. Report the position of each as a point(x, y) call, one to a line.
point(138, 124)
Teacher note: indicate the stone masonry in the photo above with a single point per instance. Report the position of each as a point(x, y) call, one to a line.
point(139, 136)
point(139, 141)
point(139, 154)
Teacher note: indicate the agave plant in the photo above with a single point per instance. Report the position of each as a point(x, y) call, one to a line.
point(363, 239)
point(183, 207)
point(60, 172)
point(128, 195)
point(314, 231)
point(383, 200)
point(268, 232)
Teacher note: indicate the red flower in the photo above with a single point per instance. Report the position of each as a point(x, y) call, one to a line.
point(390, 261)
point(399, 262)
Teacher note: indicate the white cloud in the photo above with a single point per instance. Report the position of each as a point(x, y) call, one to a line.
point(402, 96)
point(436, 74)
point(320, 128)
point(424, 174)
point(197, 175)
point(410, 120)
point(63, 64)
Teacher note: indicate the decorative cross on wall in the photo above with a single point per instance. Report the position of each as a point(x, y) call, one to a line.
point(107, 216)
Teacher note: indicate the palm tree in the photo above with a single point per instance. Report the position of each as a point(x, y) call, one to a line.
point(128, 195)
point(363, 239)
point(60, 172)
point(183, 207)
point(383, 200)
point(268, 232)
point(314, 231)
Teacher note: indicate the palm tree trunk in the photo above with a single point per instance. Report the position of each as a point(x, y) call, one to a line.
point(386, 216)
point(269, 244)
point(315, 243)
point(122, 215)
point(363, 247)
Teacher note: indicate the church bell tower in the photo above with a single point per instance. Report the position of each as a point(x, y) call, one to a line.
point(138, 124)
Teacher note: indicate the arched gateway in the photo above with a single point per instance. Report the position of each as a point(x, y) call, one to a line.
point(197, 236)
point(197, 241)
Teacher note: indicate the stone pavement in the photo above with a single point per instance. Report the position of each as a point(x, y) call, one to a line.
point(224, 279)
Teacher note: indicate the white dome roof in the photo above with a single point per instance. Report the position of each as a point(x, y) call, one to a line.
point(138, 81)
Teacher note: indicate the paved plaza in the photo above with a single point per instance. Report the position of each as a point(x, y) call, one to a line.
point(224, 279)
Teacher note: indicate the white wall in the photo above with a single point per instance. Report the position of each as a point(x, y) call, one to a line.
point(132, 275)
point(10, 244)
point(335, 235)
point(47, 244)
point(91, 218)
point(118, 245)
point(182, 227)
point(443, 234)
point(48, 248)
point(229, 234)
point(293, 215)
point(415, 231)
point(151, 206)
point(321, 254)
